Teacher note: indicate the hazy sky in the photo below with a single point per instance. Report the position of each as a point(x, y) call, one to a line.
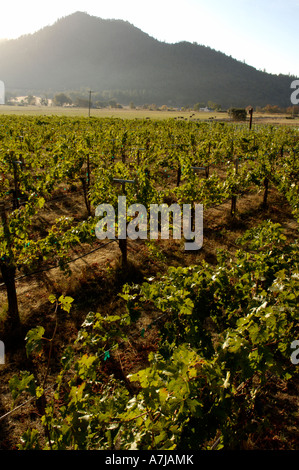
point(263, 33)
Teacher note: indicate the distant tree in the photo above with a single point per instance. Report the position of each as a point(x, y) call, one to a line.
point(101, 104)
point(61, 99)
point(213, 106)
point(197, 106)
point(294, 110)
point(9, 97)
point(273, 109)
point(30, 100)
point(82, 102)
point(112, 103)
point(44, 101)
point(132, 105)
point(239, 114)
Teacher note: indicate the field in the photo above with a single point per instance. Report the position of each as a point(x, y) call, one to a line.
point(126, 113)
point(142, 344)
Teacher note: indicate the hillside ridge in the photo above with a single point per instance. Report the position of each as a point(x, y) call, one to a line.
point(80, 52)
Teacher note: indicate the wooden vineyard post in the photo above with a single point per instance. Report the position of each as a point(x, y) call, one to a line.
point(234, 196)
point(265, 198)
point(179, 174)
point(8, 271)
point(122, 242)
point(123, 147)
point(250, 120)
point(233, 205)
point(138, 155)
point(86, 185)
point(195, 169)
point(208, 165)
point(16, 203)
point(124, 252)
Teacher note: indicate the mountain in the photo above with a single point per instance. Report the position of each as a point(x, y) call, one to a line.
point(81, 52)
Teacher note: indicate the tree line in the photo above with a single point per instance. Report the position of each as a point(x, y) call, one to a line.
point(110, 99)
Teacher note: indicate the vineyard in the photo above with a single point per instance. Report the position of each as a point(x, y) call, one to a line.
point(138, 344)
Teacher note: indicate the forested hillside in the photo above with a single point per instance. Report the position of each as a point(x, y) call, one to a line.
point(81, 52)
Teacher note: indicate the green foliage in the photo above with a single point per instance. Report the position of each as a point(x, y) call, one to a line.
point(213, 360)
point(224, 330)
point(34, 340)
point(30, 440)
point(239, 114)
point(24, 382)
